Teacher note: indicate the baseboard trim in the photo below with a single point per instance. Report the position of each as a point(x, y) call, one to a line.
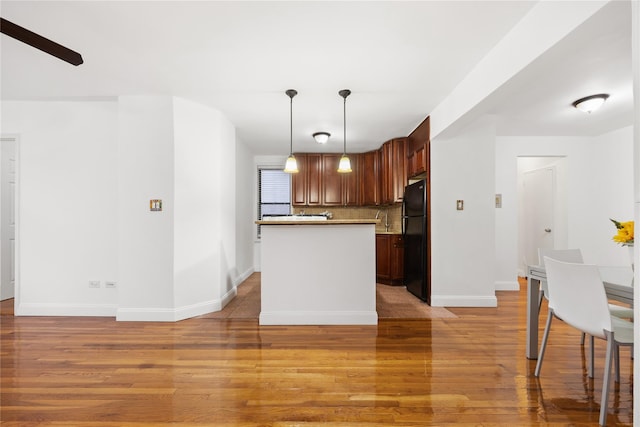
point(167, 314)
point(244, 276)
point(51, 309)
point(319, 318)
point(463, 301)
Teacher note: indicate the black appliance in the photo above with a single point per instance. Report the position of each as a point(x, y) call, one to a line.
point(414, 233)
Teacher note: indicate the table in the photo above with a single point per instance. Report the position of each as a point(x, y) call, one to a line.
point(618, 284)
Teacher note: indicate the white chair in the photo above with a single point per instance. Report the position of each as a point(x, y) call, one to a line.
point(566, 255)
point(575, 256)
point(590, 315)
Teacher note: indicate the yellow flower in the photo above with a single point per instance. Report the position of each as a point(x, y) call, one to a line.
point(625, 232)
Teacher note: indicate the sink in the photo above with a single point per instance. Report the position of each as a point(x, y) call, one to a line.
point(295, 218)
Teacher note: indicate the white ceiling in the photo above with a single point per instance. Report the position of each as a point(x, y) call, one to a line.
point(400, 59)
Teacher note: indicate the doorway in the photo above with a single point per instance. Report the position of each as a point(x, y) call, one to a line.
point(542, 207)
point(7, 218)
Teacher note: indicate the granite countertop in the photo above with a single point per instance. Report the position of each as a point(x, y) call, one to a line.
point(321, 222)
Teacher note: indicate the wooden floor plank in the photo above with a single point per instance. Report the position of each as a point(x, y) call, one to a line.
point(465, 370)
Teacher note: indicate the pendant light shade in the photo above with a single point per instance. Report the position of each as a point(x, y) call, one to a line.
point(345, 164)
point(291, 166)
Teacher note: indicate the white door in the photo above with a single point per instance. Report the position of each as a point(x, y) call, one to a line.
point(7, 217)
point(539, 190)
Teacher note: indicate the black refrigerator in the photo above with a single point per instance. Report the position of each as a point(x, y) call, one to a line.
point(414, 231)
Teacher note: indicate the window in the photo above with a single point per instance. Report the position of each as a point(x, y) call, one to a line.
point(274, 193)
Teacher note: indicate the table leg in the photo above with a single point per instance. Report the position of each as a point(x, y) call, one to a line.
point(533, 289)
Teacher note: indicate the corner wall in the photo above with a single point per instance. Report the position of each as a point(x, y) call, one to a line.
point(86, 173)
point(462, 241)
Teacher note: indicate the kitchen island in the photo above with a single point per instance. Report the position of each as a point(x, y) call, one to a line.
point(318, 272)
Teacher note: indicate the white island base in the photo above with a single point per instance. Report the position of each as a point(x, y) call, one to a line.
point(318, 273)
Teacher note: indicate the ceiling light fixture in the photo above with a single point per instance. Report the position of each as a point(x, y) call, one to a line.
point(591, 103)
point(291, 166)
point(321, 137)
point(345, 163)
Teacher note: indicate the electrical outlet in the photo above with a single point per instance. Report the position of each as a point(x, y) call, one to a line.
point(110, 285)
point(94, 283)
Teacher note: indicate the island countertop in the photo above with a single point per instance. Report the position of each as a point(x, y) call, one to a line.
point(320, 222)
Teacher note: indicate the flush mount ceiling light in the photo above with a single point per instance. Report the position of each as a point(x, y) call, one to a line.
point(321, 137)
point(591, 103)
point(345, 164)
point(291, 166)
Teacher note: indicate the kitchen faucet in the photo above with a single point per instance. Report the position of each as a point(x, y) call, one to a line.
point(386, 219)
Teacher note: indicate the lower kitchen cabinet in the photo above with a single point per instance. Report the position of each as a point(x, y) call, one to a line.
point(389, 259)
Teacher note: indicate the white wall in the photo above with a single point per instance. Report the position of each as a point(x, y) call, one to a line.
point(227, 209)
point(462, 168)
point(245, 210)
point(67, 220)
point(196, 207)
point(599, 186)
point(87, 171)
point(145, 243)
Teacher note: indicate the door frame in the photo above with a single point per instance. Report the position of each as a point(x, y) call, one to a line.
point(559, 164)
point(16, 139)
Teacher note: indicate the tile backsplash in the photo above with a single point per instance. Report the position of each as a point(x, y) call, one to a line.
point(394, 213)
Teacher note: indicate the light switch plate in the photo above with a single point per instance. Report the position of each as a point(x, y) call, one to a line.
point(459, 205)
point(498, 200)
point(155, 205)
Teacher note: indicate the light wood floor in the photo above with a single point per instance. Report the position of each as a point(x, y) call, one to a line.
point(469, 370)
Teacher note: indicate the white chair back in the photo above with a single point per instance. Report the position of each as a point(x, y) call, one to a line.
point(577, 296)
point(566, 255)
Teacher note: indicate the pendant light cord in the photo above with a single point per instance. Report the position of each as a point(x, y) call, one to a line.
point(291, 93)
point(344, 117)
point(344, 93)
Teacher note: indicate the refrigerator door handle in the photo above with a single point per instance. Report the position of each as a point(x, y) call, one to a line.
point(404, 218)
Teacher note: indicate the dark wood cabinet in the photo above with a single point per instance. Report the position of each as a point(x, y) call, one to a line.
point(418, 150)
point(314, 179)
point(320, 184)
point(306, 185)
point(351, 182)
point(331, 180)
point(377, 178)
point(417, 162)
point(299, 182)
point(370, 178)
point(394, 170)
point(389, 259)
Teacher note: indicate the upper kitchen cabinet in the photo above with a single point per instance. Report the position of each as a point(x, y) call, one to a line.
point(393, 160)
point(418, 150)
point(306, 185)
point(331, 180)
point(351, 182)
point(320, 184)
point(370, 178)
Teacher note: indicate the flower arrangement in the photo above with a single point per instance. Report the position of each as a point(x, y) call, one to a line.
point(625, 232)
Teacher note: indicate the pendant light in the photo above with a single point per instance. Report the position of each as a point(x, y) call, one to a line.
point(345, 163)
point(291, 166)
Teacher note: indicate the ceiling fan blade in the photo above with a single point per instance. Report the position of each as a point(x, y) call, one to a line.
point(39, 42)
